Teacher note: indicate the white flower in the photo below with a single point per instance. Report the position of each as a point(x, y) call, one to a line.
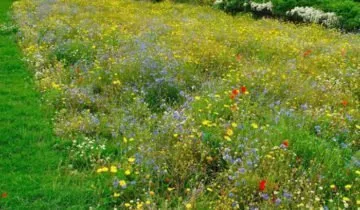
point(218, 1)
point(261, 6)
point(309, 14)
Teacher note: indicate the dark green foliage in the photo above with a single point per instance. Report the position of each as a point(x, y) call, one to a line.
point(72, 53)
point(162, 93)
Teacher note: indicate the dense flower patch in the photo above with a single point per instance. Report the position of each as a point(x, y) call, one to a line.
point(179, 106)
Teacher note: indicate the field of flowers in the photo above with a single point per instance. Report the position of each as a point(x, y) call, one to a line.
point(178, 106)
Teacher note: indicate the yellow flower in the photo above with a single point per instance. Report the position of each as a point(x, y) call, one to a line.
point(131, 160)
point(358, 202)
point(227, 138)
point(188, 206)
point(209, 189)
point(55, 86)
point(229, 132)
point(234, 125)
point(122, 183)
point(127, 204)
point(127, 172)
point(348, 187)
point(139, 205)
point(254, 125)
point(116, 195)
point(102, 169)
point(197, 97)
point(113, 169)
point(346, 199)
point(116, 82)
point(206, 122)
point(357, 172)
point(148, 202)
point(152, 193)
point(332, 186)
point(170, 189)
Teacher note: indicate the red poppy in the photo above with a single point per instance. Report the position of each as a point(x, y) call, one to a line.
point(262, 185)
point(232, 96)
point(307, 53)
point(235, 92)
point(243, 89)
point(4, 195)
point(344, 102)
point(285, 143)
point(238, 57)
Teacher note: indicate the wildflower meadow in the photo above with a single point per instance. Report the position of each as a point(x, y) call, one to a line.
point(164, 105)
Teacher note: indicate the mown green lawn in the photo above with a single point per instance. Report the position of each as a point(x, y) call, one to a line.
point(30, 165)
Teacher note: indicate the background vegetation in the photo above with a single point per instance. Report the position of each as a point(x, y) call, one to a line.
point(348, 11)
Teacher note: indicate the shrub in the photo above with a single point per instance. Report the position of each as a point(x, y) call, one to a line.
point(309, 14)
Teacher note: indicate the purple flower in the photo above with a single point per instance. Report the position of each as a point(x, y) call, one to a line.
point(242, 170)
point(265, 196)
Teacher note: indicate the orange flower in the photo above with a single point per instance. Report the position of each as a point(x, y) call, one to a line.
point(285, 143)
point(235, 92)
point(343, 52)
point(238, 57)
point(4, 195)
point(307, 53)
point(344, 102)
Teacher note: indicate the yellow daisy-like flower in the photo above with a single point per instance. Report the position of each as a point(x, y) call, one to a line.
point(254, 125)
point(348, 187)
point(332, 186)
point(188, 206)
point(229, 132)
point(116, 195)
point(127, 172)
point(234, 125)
point(113, 169)
point(102, 169)
point(127, 204)
point(346, 199)
point(227, 138)
point(131, 160)
point(116, 82)
point(122, 183)
point(206, 122)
